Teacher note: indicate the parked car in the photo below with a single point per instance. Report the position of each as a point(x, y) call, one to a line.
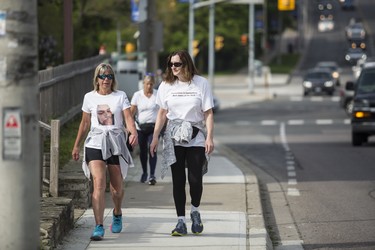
point(318, 81)
point(353, 55)
point(363, 116)
point(333, 67)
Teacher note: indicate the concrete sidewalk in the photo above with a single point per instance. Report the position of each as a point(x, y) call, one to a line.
point(231, 208)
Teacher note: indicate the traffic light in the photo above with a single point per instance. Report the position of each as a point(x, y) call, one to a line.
point(286, 4)
point(129, 48)
point(219, 42)
point(244, 39)
point(195, 47)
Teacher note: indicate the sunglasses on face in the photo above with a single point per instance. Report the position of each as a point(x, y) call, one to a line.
point(176, 64)
point(104, 76)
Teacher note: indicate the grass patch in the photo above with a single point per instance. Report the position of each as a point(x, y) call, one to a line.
point(68, 134)
point(285, 64)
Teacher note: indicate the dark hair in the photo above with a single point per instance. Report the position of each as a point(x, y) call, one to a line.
point(188, 68)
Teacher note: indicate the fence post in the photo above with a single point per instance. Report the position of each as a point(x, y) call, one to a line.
point(54, 160)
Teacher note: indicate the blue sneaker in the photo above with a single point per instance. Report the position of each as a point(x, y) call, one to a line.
point(197, 226)
point(180, 229)
point(98, 233)
point(116, 226)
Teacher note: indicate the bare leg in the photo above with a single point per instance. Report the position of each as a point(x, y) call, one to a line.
point(117, 191)
point(98, 172)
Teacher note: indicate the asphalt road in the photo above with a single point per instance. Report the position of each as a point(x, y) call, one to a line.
point(316, 188)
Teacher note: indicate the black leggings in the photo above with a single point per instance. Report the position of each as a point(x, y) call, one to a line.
point(193, 159)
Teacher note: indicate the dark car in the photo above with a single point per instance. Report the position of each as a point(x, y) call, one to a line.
point(317, 81)
point(363, 115)
point(331, 66)
point(353, 55)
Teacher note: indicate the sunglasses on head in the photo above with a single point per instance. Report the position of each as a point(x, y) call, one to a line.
point(176, 64)
point(104, 76)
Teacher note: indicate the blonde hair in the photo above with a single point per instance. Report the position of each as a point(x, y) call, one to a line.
point(100, 69)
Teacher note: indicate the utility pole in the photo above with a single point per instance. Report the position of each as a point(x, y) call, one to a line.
point(19, 135)
point(152, 59)
point(68, 31)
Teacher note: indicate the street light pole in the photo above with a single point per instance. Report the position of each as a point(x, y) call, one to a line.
point(211, 49)
point(191, 27)
point(19, 135)
point(251, 48)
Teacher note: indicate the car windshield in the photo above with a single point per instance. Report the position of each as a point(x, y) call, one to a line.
point(367, 82)
point(318, 75)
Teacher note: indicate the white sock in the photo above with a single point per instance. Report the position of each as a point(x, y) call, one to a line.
point(181, 218)
point(193, 209)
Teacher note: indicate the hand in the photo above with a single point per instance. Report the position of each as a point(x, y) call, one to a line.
point(209, 146)
point(154, 146)
point(133, 139)
point(75, 153)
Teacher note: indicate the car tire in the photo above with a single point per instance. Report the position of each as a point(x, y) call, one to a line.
point(358, 139)
point(349, 107)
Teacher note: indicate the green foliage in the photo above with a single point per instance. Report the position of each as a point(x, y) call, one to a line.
point(285, 64)
point(98, 22)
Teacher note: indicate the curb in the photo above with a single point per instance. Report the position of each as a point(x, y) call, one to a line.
point(258, 238)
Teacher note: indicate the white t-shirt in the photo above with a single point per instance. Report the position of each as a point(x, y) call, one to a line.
point(187, 102)
point(147, 109)
point(106, 111)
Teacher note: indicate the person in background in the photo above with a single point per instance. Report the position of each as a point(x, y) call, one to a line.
point(105, 144)
point(186, 103)
point(144, 108)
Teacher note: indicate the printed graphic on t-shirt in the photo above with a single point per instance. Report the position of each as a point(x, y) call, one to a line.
point(105, 115)
point(185, 93)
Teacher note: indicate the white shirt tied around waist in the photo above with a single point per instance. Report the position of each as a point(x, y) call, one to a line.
point(178, 131)
point(113, 142)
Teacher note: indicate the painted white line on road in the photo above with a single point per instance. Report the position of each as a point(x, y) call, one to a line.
point(316, 98)
point(243, 123)
point(324, 122)
point(296, 98)
point(347, 121)
point(335, 98)
point(292, 174)
point(268, 122)
point(290, 168)
point(296, 122)
point(293, 192)
point(283, 137)
point(290, 162)
point(292, 182)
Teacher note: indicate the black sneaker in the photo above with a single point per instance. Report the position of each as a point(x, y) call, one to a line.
point(197, 226)
point(152, 181)
point(180, 229)
point(144, 178)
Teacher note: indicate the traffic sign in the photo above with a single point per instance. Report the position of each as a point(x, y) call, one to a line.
point(285, 5)
point(12, 133)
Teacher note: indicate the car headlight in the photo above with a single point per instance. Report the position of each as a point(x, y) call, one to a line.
point(335, 74)
point(328, 84)
point(307, 84)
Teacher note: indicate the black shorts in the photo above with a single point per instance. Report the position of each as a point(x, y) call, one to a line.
point(96, 154)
